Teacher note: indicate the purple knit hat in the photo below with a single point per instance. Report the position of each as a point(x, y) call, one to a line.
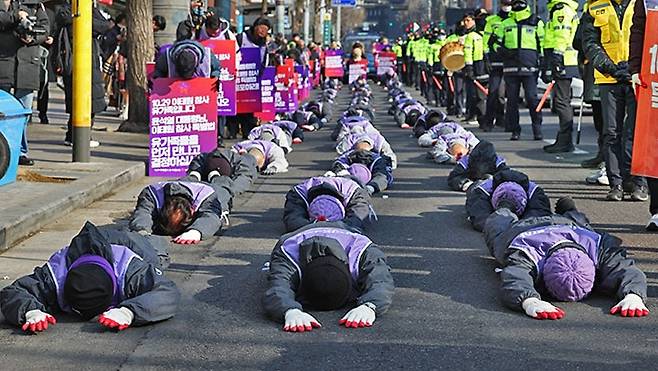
point(511, 192)
point(326, 208)
point(569, 274)
point(360, 172)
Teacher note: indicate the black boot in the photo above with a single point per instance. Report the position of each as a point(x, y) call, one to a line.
point(563, 144)
point(593, 163)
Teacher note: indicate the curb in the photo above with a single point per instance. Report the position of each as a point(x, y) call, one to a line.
point(57, 204)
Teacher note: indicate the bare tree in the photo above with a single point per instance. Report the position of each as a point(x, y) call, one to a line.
point(351, 18)
point(139, 51)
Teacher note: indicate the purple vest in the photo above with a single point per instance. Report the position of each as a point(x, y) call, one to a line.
point(226, 35)
point(58, 270)
point(464, 161)
point(263, 145)
point(377, 138)
point(537, 242)
point(287, 125)
point(203, 66)
point(246, 43)
point(434, 130)
point(354, 245)
point(200, 192)
point(345, 186)
point(256, 132)
point(487, 187)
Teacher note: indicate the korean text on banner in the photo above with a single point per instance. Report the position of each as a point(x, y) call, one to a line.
point(248, 83)
point(183, 124)
point(645, 155)
point(226, 90)
point(386, 62)
point(358, 69)
point(333, 63)
point(268, 109)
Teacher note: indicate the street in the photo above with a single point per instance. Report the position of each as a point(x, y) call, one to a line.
point(445, 312)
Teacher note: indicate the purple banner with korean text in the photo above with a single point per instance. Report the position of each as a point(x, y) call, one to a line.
point(183, 124)
point(226, 90)
point(267, 85)
point(248, 83)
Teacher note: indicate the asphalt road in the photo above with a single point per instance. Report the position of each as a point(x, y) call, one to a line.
point(445, 314)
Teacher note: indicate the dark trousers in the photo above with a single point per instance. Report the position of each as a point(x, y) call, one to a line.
point(42, 98)
point(495, 106)
point(618, 103)
point(597, 116)
point(562, 106)
point(455, 94)
point(477, 101)
point(653, 192)
point(425, 76)
point(513, 88)
point(243, 122)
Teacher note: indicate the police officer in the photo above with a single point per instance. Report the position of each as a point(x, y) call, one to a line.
point(437, 91)
point(474, 70)
point(411, 61)
point(399, 56)
point(560, 66)
point(495, 106)
point(606, 30)
point(420, 54)
point(521, 37)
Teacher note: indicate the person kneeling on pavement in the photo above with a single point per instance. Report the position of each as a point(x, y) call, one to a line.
point(327, 199)
point(327, 266)
point(270, 158)
point(508, 186)
point(481, 164)
point(229, 173)
point(374, 171)
point(561, 256)
point(111, 274)
point(272, 133)
point(188, 211)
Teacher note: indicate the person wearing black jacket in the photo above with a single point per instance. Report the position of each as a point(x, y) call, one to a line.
point(20, 55)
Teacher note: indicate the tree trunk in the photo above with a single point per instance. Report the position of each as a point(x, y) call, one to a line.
point(139, 50)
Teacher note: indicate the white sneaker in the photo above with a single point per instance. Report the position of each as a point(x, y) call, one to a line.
point(598, 177)
point(653, 223)
point(94, 144)
point(68, 143)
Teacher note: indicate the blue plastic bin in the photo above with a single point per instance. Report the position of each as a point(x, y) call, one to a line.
point(13, 117)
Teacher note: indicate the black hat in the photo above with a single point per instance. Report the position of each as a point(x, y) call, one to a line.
point(186, 62)
point(89, 290)
point(326, 282)
point(220, 164)
point(262, 21)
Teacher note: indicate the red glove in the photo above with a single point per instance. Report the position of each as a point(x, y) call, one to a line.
point(37, 321)
point(117, 318)
point(539, 309)
point(631, 306)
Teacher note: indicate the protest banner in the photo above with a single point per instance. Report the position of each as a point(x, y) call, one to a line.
point(357, 69)
point(282, 84)
point(645, 155)
point(248, 82)
point(226, 90)
point(386, 62)
point(183, 124)
point(267, 87)
point(333, 63)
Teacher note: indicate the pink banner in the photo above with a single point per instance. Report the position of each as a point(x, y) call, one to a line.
point(226, 93)
point(183, 124)
point(386, 62)
point(248, 83)
point(358, 69)
point(333, 63)
point(267, 87)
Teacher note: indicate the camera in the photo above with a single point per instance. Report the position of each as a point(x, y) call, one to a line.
point(28, 28)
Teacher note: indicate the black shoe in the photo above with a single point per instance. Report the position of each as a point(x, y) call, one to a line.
point(538, 137)
point(559, 148)
point(640, 193)
point(43, 120)
point(615, 194)
point(592, 163)
point(25, 161)
point(515, 136)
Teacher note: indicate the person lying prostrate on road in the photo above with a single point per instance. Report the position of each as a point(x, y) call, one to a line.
point(272, 133)
point(187, 211)
point(307, 120)
point(229, 173)
point(562, 256)
point(270, 158)
point(96, 275)
point(507, 185)
point(428, 121)
point(327, 266)
point(450, 148)
point(352, 124)
point(368, 141)
point(408, 113)
point(327, 199)
point(291, 127)
point(481, 164)
point(374, 171)
point(187, 59)
point(320, 109)
point(433, 134)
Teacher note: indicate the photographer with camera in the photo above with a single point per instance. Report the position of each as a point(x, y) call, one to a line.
point(24, 26)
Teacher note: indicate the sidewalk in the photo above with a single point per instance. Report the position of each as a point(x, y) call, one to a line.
point(60, 186)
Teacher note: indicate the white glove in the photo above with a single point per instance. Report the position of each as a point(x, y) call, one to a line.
point(298, 321)
point(343, 172)
point(370, 189)
point(361, 316)
point(631, 306)
point(188, 238)
point(466, 185)
point(37, 321)
point(329, 173)
point(117, 318)
point(196, 175)
point(269, 171)
point(540, 309)
point(635, 81)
